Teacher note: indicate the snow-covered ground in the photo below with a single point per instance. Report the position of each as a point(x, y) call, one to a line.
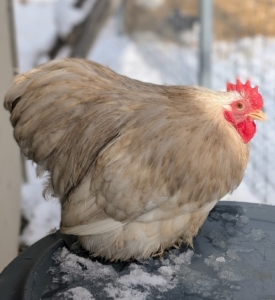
point(148, 59)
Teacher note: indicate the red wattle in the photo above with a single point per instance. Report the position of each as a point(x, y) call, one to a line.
point(246, 129)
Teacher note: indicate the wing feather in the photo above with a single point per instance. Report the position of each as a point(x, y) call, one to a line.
point(120, 150)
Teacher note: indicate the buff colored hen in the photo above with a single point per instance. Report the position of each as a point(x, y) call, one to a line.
point(137, 166)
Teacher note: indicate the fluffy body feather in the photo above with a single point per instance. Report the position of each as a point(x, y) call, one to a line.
point(137, 166)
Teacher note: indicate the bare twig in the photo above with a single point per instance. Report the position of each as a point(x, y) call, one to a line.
point(84, 35)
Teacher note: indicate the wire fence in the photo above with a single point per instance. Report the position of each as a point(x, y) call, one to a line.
point(249, 52)
point(167, 35)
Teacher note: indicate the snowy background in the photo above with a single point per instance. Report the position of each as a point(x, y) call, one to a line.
point(147, 58)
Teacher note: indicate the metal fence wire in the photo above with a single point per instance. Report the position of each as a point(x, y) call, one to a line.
point(166, 33)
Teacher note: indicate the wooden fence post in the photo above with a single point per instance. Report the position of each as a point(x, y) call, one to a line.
point(10, 166)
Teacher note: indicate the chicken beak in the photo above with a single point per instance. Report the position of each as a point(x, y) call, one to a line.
point(257, 115)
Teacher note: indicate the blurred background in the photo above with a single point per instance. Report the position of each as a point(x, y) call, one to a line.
point(182, 42)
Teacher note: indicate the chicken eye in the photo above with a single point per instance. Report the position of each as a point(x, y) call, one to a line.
point(240, 106)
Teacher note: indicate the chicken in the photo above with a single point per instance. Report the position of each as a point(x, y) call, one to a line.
point(137, 166)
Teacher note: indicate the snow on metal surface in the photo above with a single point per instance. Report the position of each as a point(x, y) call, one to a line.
point(77, 293)
point(233, 258)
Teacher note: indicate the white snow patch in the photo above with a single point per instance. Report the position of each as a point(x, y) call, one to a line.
point(77, 293)
point(258, 234)
point(72, 268)
point(42, 215)
point(184, 258)
point(122, 55)
point(127, 285)
point(68, 16)
point(137, 276)
point(220, 259)
point(71, 264)
point(35, 31)
point(125, 294)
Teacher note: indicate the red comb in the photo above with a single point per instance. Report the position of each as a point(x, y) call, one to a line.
point(246, 90)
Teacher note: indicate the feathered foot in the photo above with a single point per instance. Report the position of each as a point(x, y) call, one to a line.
point(186, 240)
point(159, 253)
point(189, 242)
point(178, 243)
